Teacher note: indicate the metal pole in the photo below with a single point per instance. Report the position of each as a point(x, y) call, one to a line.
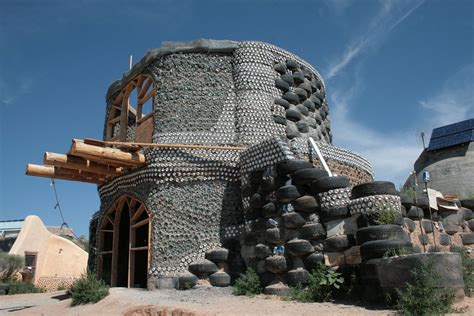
point(320, 156)
point(415, 186)
point(426, 179)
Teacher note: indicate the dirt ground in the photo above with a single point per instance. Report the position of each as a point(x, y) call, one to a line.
point(202, 301)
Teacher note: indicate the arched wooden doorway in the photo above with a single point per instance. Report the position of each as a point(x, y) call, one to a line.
point(124, 241)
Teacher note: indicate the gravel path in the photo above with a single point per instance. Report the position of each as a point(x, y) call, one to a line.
point(201, 301)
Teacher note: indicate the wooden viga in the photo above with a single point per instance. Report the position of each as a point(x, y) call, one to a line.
point(92, 161)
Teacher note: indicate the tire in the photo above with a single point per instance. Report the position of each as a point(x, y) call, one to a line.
point(262, 251)
point(278, 289)
point(291, 97)
point(329, 183)
point(444, 240)
point(288, 78)
point(217, 255)
point(312, 261)
point(309, 105)
point(287, 194)
point(253, 213)
point(186, 280)
point(282, 85)
point(250, 239)
point(409, 224)
point(299, 247)
point(298, 77)
point(328, 214)
point(467, 239)
point(379, 248)
point(468, 203)
point(273, 235)
point(303, 127)
point(279, 120)
point(301, 93)
point(306, 176)
point(268, 184)
point(374, 188)
point(293, 115)
point(291, 64)
point(406, 200)
point(220, 279)
point(306, 204)
point(297, 277)
point(337, 243)
point(293, 220)
point(269, 210)
point(291, 166)
point(302, 109)
point(415, 213)
point(282, 102)
point(313, 231)
point(202, 268)
point(423, 202)
point(280, 68)
point(275, 264)
point(257, 201)
point(380, 232)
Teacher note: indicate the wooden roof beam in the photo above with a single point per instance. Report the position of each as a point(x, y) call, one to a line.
point(53, 173)
point(78, 163)
point(106, 155)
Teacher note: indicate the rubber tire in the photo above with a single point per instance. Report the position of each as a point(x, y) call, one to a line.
point(288, 78)
point(269, 210)
point(217, 255)
point(378, 248)
point(297, 277)
point(313, 231)
point(299, 247)
point(298, 77)
point(275, 264)
point(291, 97)
point(287, 194)
point(379, 232)
point(415, 213)
point(328, 214)
point(306, 204)
point(282, 102)
point(262, 251)
point(468, 203)
point(467, 239)
point(329, 183)
point(202, 268)
point(312, 261)
point(220, 279)
point(374, 188)
point(406, 200)
point(282, 85)
point(273, 235)
point(306, 176)
point(187, 280)
point(280, 68)
point(291, 166)
point(292, 220)
point(337, 243)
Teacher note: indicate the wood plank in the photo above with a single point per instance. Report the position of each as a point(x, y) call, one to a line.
point(78, 163)
point(51, 173)
point(145, 87)
point(106, 230)
point(141, 223)
point(81, 149)
point(139, 248)
point(147, 97)
point(137, 214)
point(144, 131)
point(105, 252)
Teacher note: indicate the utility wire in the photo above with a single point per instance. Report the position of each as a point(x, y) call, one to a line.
point(58, 206)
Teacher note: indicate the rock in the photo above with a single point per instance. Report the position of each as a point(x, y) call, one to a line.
point(344, 226)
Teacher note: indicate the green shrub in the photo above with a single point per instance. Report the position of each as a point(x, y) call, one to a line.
point(248, 284)
point(408, 191)
point(9, 265)
point(400, 251)
point(22, 287)
point(422, 297)
point(467, 270)
point(88, 289)
point(324, 285)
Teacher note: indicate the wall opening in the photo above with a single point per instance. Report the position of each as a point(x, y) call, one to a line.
point(124, 244)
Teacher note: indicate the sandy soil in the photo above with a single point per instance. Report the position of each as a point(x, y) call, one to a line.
point(202, 301)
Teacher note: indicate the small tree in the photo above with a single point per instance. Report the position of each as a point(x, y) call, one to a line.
point(9, 265)
point(248, 284)
point(88, 289)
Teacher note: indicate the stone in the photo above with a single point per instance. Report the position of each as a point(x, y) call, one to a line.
point(333, 259)
point(344, 226)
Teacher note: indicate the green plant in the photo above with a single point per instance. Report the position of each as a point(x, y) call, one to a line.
point(88, 289)
point(9, 265)
point(22, 287)
point(324, 284)
point(467, 270)
point(409, 191)
point(248, 284)
point(422, 297)
point(385, 215)
point(395, 252)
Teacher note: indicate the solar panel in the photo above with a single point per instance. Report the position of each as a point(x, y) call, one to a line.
point(453, 134)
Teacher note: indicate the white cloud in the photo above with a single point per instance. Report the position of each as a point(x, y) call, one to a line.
point(389, 16)
point(10, 91)
point(338, 6)
point(454, 102)
point(392, 154)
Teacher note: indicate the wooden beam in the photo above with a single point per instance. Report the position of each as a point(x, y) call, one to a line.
point(146, 98)
point(78, 163)
point(52, 173)
point(139, 248)
point(139, 212)
point(141, 223)
point(154, 145)
point(144, 89)
point(106, 155)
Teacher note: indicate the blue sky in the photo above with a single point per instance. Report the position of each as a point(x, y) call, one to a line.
point(392, 69)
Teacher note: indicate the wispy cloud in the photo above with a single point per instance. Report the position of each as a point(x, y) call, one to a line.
point(391, 154)
point(389, 16)
point(10, 91)
point(454, 101)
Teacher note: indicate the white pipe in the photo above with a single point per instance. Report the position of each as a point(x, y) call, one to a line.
point(320, 156)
